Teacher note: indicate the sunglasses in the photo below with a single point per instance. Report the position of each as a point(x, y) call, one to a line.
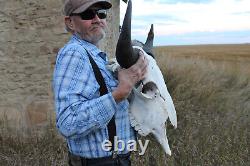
point(89, 14)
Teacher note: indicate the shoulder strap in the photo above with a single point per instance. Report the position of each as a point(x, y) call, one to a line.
point(98, 75)
point(103, 90)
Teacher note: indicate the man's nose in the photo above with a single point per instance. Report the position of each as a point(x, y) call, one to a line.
point(96, 18)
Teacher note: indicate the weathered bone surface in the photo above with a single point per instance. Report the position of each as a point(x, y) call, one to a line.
point(150, 102)
point(151, 105)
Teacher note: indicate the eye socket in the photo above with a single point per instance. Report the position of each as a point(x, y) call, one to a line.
point(149, 87)
point(150, 90)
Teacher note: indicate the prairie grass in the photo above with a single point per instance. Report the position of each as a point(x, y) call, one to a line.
point(210, 86)
point(33, 149)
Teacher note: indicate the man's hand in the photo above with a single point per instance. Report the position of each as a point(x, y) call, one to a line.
point(129, 77)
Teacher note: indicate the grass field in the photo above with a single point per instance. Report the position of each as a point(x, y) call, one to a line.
point(210, 86)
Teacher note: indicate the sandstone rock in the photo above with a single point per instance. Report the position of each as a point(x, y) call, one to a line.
point(37, 112)
point(31, 33)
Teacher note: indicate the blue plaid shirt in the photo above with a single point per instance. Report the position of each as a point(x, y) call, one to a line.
point(81, 114)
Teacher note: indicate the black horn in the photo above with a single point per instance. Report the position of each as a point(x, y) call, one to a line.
point(148, 46)
point(125, 55)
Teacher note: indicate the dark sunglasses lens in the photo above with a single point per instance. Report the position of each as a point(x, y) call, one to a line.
point(102, 14)
point(87, 15)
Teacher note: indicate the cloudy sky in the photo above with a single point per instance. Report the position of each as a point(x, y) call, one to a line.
point(179, 22)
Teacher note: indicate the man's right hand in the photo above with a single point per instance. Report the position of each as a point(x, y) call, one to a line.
point(129, 77)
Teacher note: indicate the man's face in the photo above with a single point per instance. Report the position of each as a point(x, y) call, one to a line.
point(92, 30)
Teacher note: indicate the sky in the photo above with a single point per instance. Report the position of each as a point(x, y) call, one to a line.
point(190, 22)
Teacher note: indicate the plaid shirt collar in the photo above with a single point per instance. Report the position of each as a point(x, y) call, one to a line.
point(93, 49)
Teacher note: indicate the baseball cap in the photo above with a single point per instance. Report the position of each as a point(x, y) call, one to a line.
point(79, 6)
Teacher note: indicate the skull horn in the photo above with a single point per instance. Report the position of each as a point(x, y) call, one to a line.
point(148, 46)
point(125, 55)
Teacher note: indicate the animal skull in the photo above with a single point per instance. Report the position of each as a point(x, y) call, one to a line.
point(150, 102)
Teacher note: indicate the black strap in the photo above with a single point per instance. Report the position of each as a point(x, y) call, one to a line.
point(103, 90)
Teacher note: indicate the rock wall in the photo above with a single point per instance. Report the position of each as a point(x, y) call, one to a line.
point(31, 33)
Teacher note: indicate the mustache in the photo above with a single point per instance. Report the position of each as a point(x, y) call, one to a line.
point(97, 25)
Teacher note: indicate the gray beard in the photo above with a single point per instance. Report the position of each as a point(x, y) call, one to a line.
point(93, 39)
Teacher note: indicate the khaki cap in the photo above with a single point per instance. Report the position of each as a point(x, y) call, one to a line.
point(79, 6)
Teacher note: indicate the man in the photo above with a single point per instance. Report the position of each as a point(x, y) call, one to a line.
point(82, 114)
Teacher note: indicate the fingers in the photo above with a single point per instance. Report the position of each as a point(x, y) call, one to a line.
point(136, 72)
point(142, 65)
point(143, 72)
point(142, 61)
point(139, 69)
point(145, 63)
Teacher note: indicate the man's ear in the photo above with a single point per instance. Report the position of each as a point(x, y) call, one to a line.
point(68, 22)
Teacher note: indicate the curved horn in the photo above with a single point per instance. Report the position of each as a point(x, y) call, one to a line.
point(124, 51)
point(148, 46)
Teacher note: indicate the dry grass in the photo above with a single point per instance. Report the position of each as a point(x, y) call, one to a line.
point(32, 150)
point(210, 86)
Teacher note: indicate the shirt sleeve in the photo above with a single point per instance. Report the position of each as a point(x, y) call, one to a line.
point(78, 110)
